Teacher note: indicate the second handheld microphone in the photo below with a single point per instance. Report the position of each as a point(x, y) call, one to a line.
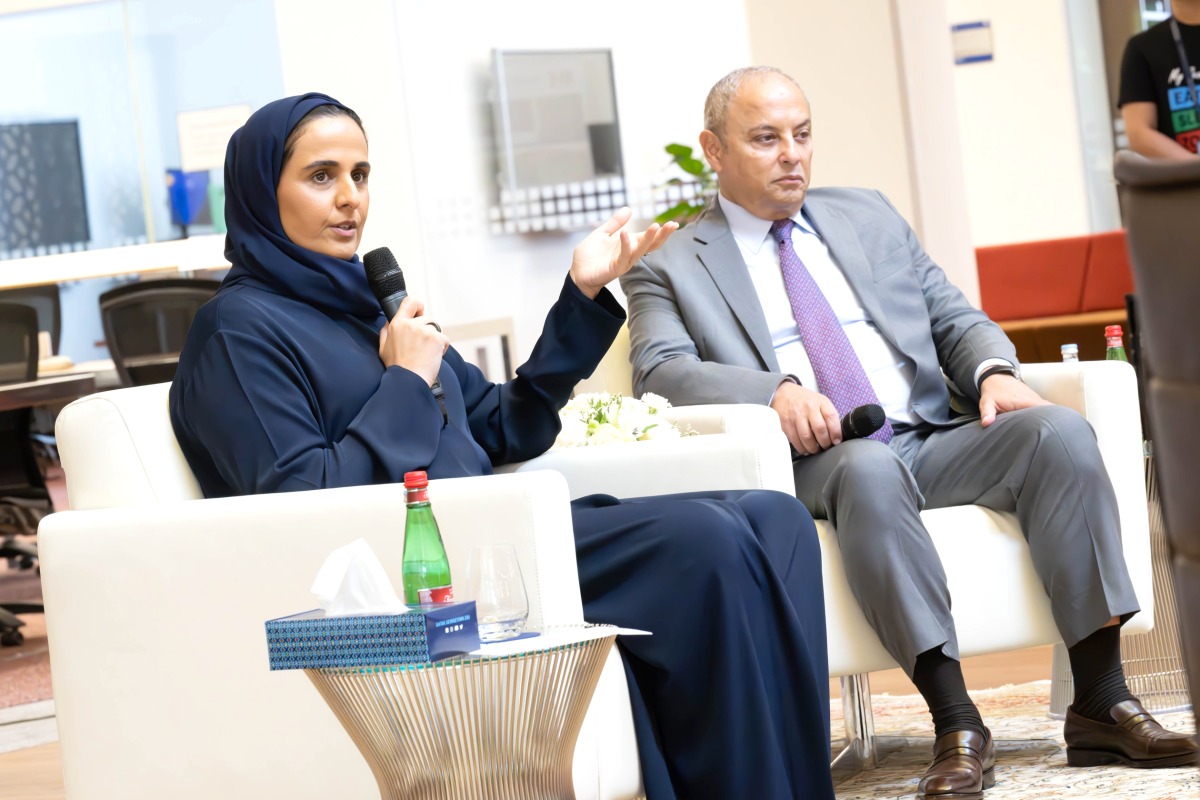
point(861, 422)
point(858, 423)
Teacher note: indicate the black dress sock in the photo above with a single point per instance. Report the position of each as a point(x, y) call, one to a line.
point(1099, 679)
point(939, 679)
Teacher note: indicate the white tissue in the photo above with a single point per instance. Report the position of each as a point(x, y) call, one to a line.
point(352, 582)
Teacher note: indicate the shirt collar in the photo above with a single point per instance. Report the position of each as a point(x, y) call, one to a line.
point(751, 231)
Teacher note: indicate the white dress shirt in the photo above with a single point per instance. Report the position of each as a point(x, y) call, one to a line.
point(890, 373)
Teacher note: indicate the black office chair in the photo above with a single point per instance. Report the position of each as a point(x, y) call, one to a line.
point(48, 304)
point(146, 322)
point(23, 496)
point(46, 301)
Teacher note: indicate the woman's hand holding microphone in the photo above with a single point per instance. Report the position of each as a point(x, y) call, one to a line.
point(413, 341)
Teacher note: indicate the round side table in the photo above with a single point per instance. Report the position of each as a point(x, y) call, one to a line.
point(477, 726)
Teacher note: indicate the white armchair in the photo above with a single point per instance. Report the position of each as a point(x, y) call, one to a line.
point(155, 603)
point(1001, 608)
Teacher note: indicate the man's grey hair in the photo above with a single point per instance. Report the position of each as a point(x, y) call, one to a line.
point(716, 107)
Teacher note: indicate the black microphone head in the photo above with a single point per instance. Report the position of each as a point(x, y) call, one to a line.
point(383, 273)
point(865, 420)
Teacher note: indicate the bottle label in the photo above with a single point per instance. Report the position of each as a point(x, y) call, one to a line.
point(435, 594)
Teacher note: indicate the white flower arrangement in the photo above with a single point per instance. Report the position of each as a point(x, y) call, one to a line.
point(601, 418)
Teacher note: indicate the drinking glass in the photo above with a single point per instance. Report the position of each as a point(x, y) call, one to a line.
point(494, 582)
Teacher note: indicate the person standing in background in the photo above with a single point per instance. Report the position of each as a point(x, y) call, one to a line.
point(1158, 97)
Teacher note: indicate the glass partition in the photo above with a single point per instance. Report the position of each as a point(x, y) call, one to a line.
point(92, 99)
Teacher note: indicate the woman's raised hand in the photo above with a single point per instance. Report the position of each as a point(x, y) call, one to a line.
point(609, 251)
point(413, 341)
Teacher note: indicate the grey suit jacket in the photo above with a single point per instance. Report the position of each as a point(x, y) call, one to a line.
point(699, 335)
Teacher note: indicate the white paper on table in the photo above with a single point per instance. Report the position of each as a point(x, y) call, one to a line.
point(555, 637)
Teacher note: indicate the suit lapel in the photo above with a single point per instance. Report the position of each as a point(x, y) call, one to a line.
point(718, 252)
point(845, 247)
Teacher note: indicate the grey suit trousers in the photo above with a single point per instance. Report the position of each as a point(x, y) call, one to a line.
point(1041, 463)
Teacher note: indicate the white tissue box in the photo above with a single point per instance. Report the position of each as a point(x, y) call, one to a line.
point(423, 634)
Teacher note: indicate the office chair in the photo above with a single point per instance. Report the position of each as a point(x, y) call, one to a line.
point(23, 496)
point(48, 304)
point(46, 301)
point(146, 322)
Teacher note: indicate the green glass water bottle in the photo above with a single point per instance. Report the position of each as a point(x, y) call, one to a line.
point(1116, 346)
point(426, 570)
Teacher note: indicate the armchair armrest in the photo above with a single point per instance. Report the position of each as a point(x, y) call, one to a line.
point(737, 418)
point(281, 540)
point(1106, 393)
point(712, 462)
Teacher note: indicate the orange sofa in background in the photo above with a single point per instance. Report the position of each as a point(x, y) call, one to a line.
point(1048, 293)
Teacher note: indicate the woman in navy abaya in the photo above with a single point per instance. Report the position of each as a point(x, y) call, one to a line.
point(293, 379)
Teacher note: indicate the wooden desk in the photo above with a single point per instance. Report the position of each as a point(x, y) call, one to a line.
point(46, 391)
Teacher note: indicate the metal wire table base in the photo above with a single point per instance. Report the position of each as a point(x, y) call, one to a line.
point(500, 727)
point(1153, 661)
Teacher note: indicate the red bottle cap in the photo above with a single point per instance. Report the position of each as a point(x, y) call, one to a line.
point(1112, 330)
point(415, 480)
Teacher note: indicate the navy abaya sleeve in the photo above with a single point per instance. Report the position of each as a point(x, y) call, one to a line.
point(518, 420)
point(274, 395)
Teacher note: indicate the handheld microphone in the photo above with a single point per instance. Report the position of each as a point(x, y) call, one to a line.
point(386, 280)
point(859, 423)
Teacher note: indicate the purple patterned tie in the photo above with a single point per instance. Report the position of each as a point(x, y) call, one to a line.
point(840, 375)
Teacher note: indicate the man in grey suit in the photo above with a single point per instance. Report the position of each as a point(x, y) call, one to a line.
point(815, 301)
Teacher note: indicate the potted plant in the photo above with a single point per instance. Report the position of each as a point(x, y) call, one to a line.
point(700, 174)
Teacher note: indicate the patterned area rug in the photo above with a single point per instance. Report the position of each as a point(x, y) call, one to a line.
point(24, 670)
point(1032, 771)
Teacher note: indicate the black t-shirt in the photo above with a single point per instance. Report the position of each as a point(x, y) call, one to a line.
point(1150, 73)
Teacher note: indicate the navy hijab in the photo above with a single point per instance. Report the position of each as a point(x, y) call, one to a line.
point(261, 253)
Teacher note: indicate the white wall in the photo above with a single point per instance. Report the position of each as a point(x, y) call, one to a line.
point(364, 73)
point(1018, 117)
point(844, 55)
point(878, 77)
point(942, 218)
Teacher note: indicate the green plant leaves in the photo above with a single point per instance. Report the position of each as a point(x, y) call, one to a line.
point(684, 209)
point(706, 182)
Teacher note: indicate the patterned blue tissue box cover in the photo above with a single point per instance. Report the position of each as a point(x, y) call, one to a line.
point(429, 633)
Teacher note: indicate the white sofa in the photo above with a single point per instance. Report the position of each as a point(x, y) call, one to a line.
point(155, 600)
